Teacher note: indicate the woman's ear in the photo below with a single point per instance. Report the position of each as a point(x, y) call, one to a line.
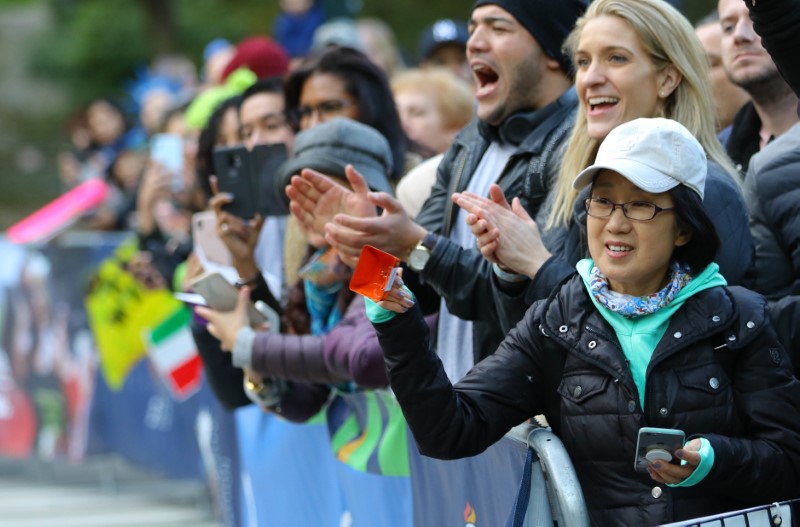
point(669, 78)
point(682, 237)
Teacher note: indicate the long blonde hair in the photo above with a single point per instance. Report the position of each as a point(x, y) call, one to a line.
point(669, 39)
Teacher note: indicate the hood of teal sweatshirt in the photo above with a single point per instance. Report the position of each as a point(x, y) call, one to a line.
point(639, 336)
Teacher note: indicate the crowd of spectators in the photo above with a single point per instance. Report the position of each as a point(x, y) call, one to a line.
point(461, 162)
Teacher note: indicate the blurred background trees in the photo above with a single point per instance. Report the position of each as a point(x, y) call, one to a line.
point(56, 55)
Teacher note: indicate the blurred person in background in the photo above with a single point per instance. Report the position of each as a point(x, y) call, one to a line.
point(166, 198)
point(434, 105)
point(295, 25)
point(444, 45)
point(380, 44)
point(728, 97)
point(259, 54)
point(216, 55)
point(337, 32)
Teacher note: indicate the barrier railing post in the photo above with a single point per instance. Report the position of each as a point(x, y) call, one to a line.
point(564, 492)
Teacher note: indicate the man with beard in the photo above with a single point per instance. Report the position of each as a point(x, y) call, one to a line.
point(525, 109)
point(773, 108)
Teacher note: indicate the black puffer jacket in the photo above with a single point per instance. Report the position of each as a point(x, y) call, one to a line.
point(718, 372)
point(772, 191)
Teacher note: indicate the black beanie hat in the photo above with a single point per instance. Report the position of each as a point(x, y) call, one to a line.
point(549, 21)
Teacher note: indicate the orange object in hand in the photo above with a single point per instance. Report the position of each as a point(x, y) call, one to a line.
point(374, 274)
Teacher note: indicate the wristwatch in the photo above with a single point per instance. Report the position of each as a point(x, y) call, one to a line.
point(420, 254)
point(255, 387)
point(267, 393)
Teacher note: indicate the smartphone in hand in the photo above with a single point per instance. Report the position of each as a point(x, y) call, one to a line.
point(266, 161)
point(205, 239)
point(167, 150)
point(234, 171)
point(221, 295)
point(657, 444)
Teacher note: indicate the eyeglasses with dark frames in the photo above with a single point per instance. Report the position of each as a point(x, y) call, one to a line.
point(324, 110)
point(633, 210)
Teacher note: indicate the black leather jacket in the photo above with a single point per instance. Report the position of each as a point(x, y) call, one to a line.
point(718, 372)
point(462, 276)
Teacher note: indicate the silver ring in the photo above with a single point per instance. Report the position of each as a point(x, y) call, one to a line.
point(224, 227)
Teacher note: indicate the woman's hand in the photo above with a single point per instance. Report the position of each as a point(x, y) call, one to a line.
point(504, 233)
point(225, 325)
point(398, 299)
point(239, 236)
point(193, 269)
point(663, 472)
point(156, 185)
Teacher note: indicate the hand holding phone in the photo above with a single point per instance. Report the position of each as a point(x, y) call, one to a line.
point(208, 245)
point(167, 150)
point(657, 444)
point(234, 171)
point(221, 295)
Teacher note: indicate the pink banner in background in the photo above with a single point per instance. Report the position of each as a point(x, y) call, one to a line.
point(59, 213)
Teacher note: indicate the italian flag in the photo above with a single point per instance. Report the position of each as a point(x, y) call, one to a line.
point(174, 354)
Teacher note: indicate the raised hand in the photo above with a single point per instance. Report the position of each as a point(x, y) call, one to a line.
point(316, 198)
point(399, 298)
point(393, 231)
point(239, 236)
point(156, 185)
point(505, 234)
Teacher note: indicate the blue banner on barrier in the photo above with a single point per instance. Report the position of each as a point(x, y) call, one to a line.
point(292, 478)
point(478, 490)
point(191, 439)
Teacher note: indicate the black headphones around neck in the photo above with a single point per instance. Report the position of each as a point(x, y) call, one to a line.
point(514, 129)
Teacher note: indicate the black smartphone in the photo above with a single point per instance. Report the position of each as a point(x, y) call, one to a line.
point(657, 444)
point(266, 160)
point(233, 167)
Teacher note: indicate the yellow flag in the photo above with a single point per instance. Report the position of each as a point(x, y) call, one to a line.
point(121, 313)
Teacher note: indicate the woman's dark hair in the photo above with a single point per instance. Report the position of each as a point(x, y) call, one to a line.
point(366, 83)
point(207, 141)
point(692, 217)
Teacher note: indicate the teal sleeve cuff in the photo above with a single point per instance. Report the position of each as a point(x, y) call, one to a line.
point(376, 314)
point(706, 462)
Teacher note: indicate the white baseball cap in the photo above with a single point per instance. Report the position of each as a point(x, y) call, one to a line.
point(654, 154)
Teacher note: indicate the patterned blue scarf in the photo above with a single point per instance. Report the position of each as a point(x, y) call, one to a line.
point(630, 306)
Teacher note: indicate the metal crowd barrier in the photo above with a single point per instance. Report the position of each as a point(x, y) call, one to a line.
point(771, 515)
point(553, 481)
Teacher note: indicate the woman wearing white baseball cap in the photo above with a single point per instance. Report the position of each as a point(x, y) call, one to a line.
point(646, 334)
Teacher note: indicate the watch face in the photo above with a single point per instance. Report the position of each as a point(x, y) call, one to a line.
point(418, 258)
